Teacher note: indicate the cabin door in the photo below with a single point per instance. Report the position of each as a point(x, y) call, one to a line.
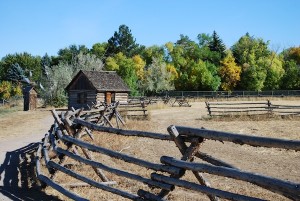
point(109, 97)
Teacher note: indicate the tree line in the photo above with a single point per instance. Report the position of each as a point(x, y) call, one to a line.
point(204, 64)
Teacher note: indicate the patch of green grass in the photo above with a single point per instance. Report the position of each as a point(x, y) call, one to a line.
point(6, 110)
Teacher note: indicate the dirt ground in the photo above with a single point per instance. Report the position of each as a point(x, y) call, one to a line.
point(23, 129)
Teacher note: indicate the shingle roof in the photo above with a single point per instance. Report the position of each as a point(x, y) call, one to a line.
point(104, 80)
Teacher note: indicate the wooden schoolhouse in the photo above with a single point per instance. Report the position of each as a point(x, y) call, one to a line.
point(92, 87)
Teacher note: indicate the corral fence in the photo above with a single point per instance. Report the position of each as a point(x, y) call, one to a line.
point(65, 140)
point(232, 94)
point(136, 107)
point(251, 108)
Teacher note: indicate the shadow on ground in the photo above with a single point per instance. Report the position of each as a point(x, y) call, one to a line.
point(18, 176)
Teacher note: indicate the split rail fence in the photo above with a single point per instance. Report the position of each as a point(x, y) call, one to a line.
point(65, 140)
point(250, 108)
point(135, 108)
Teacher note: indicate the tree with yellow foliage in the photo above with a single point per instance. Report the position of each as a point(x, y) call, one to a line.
point(229, 72)
point(139, 66)
point(5, 89)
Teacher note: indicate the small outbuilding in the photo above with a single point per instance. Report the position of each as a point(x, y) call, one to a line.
point(30, 98)
point(92, 87)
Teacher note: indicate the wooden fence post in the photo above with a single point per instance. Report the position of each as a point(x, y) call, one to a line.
point(187, 155)
point(208, 108)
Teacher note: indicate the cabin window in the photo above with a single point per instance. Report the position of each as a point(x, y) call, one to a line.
point(82, 97)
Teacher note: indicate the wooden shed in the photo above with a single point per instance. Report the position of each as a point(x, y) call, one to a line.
point(90, 87)
point(30, 98)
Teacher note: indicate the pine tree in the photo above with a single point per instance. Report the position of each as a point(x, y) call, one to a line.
point(122, 41)
point(217, 45)
point(15, 73)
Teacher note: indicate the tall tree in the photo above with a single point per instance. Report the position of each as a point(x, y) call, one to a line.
point(291, 65)
point(31, 65)
point(217, 45)
point(125, 67)
point(291, 78)
point(250, 53)
point(249, 49)
point(122, 41)
point(15, 73)
point(99, 49)
point(157, 78)
point(274, 71)
point(67, 54)
point(151, 52)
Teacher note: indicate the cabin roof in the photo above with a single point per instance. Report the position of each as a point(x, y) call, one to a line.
point(28, 89)
point(102, 81)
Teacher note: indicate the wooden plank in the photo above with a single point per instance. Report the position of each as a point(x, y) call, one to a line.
point(239, 103)
point(122, 132)
point(202, 189)
point(213, 160)
point(240, 139)
point(285, 188)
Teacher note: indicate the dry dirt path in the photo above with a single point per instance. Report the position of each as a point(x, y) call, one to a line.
point(19, 134)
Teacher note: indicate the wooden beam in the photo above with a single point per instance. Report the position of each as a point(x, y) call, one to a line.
point(202, 189)
point(285, 188)
point(122, 132)
point(240, 139)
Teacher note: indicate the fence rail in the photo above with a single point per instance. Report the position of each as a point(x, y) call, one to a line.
point(250, 108)
point(233, 94)
point(69, 127)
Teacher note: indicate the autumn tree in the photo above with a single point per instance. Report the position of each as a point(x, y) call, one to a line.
point(139, 66)
point(229, 72)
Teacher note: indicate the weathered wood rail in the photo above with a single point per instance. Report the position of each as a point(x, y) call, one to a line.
point(64, 140)
point(250, 108)
point(181, 102)
point(135, 109)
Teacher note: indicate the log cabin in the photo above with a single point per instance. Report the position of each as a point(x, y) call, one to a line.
point(93, 87)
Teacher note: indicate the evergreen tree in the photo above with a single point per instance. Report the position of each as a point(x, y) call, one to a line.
point(15, 73)
point(217, 45)
point(122, 41)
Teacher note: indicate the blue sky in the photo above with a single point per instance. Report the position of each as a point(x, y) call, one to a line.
point(45, 26)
